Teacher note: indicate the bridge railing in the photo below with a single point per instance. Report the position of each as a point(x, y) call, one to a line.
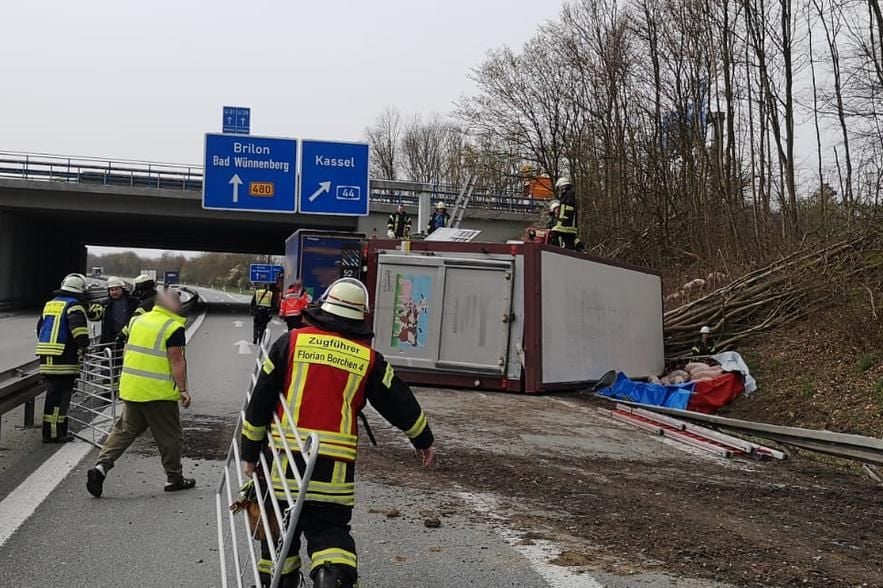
point(171, 176)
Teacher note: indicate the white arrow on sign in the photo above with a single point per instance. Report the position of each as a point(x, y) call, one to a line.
point(244, 348)
point(236, 183)
point(323, 188)
point(238, 324)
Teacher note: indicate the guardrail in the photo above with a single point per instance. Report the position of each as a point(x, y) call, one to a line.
point(173, 176)
point(22, 384)
point(867, 450)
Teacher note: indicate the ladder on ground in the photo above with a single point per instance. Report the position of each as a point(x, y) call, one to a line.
point(462, 202)
point(238, 544)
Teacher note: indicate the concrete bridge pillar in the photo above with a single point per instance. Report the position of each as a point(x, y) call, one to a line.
point(34, 257)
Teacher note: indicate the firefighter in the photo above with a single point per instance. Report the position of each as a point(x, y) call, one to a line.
point(261, 310)
point(145, 292)
point(552, 215)
point(399, 224)
point(118, 310)
point(62, 339)
point(564, 232)
point(153, 380)
point(296, 299)
point(328, 371)
point(706, 345)
point(439, 218)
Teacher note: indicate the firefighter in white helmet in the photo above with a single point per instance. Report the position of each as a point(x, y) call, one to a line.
point(439, 219)
point(564, 232)
point(706, 345)
point(117, 312)
point(62, 337)
point(328, 371)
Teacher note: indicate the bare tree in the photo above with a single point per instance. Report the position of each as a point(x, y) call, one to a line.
point(383, 138)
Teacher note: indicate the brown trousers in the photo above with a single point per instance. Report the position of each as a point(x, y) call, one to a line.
point(164, 421)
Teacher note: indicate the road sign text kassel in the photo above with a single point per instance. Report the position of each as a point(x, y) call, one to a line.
point(334, 178)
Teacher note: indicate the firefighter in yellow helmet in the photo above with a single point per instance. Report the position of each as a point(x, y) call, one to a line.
point(327, 371)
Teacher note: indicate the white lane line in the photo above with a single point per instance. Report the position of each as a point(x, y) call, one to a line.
point(24, 500)
point(538, 554)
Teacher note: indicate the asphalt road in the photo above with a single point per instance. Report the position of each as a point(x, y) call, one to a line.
point(137, 535)
point(17, 339)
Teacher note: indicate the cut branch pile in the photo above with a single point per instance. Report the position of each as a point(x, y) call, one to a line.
point(774, 296)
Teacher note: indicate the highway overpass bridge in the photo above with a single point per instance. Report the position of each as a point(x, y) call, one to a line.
point(51, 207)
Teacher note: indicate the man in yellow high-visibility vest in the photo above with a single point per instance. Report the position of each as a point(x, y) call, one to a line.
point(153, 380)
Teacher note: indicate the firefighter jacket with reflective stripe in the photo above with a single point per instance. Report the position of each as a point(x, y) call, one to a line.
point(703, 348)
point(62, 330)
point(399, 224)
point(567, 213)
point(147, 373)
point(263, 298)
point(326, 379)
point(293, 303)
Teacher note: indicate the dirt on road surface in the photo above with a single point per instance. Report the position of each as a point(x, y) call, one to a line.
point(614, 499)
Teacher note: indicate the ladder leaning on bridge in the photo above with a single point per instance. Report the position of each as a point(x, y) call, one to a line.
point(237, 539)
point(462, 202)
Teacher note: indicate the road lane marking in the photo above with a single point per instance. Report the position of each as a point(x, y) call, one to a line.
point(538, 554)
point(23, 501)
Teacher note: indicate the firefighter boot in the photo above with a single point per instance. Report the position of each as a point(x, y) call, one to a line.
point(333, 576)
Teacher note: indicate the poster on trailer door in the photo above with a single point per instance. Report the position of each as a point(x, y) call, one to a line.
point(411, 311)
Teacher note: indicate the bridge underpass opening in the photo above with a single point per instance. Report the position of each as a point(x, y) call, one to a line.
point(214, 269)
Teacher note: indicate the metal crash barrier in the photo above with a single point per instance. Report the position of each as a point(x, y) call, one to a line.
point(95, 400)
point(238, 545)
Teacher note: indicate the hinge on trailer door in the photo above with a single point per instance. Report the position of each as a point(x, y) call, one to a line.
point(508, 318)
point(508, 275)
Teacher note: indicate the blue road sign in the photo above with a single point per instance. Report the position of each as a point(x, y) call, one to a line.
point(236, 120)
point(264, 272)
point(249, 173)
point(171, 277)
point(334, 178)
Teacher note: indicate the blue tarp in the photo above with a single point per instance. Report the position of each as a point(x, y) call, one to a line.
point(656, 394)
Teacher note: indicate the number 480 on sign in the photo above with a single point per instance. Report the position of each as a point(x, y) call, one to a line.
point(349, 192)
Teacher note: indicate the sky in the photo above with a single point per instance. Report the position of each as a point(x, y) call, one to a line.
point(145, 80)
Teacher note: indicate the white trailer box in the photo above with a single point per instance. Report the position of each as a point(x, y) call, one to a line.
point(522, 317)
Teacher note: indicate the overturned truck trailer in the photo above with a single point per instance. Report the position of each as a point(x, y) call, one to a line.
point(522, 317)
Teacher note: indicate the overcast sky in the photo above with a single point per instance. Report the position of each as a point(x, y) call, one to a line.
point(145, 80)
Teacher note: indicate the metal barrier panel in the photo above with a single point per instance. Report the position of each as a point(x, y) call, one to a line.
point(95, 401)
point(238, 548)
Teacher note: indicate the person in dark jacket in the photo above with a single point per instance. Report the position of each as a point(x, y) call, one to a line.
point(327, 371)
point(706, 345)
point(564, 233)
point(117, 312)
point(399, 224)
point(145, 292)
point(439, 219)
point(62, 339)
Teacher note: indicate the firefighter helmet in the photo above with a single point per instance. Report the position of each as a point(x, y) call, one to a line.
point(346, 298)
point(114, 282)
point(554, 205)
point(705, 331)
point(75, 283)
point(144, 281)
point(562, 182)
point(440, 206)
